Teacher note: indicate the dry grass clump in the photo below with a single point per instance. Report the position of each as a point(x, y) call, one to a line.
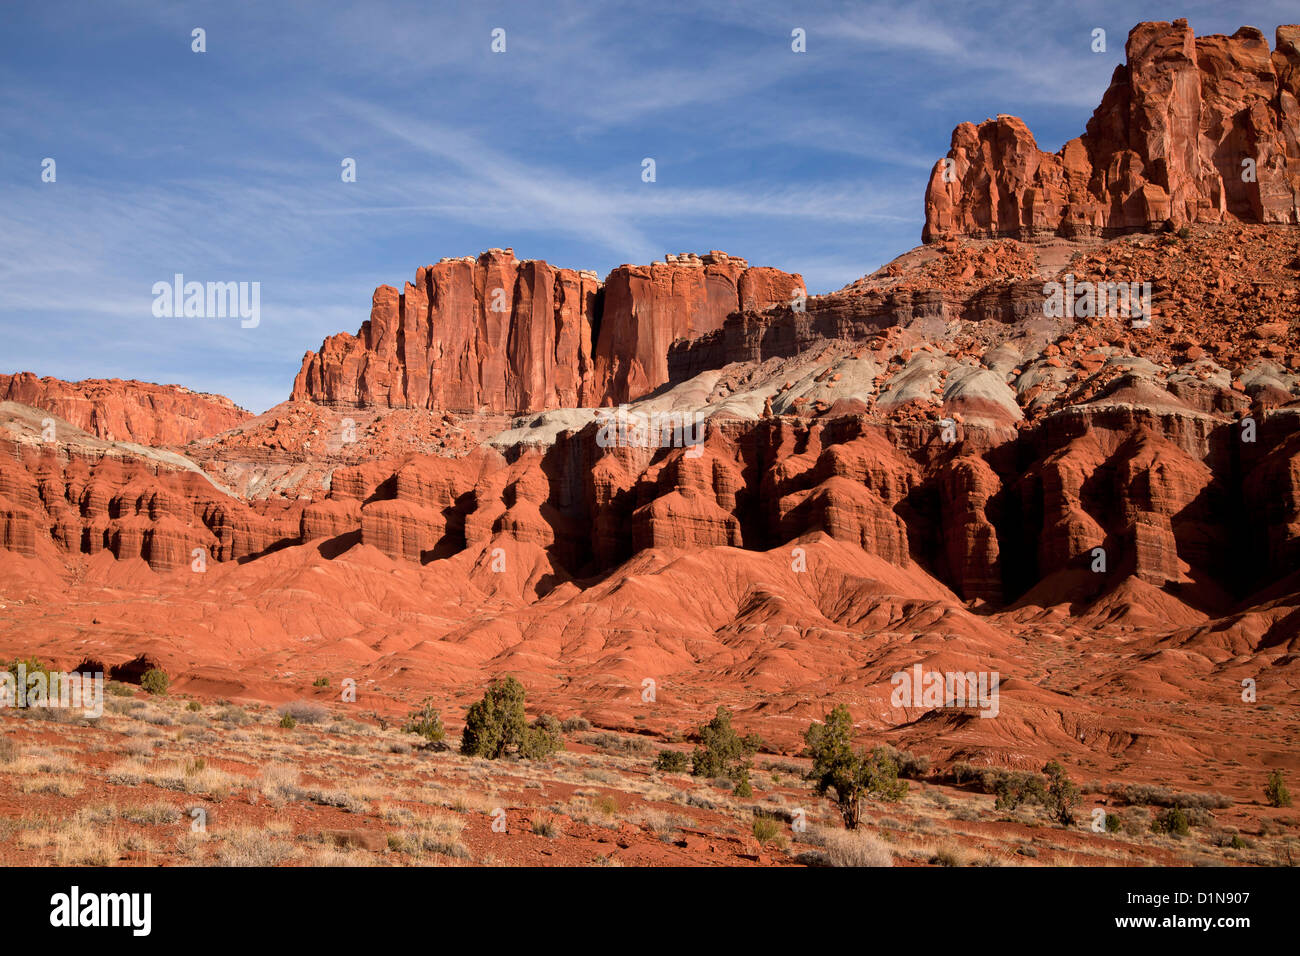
point(251, 846)
point(437, 834)
point(845, 848)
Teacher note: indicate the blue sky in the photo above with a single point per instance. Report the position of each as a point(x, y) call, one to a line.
point(225, 165)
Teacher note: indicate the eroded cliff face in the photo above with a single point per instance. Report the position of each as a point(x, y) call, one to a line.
point(75, 494)
point(1191, 130)
point(493, 334)
point(648, 308)
point(506, 336)
point(126, 411)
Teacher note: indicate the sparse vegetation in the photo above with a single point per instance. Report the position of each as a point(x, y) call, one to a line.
point(1171, 821)
point(496, 726)
point(722, 752)
point(155, 681)
point(1276, 792)
point(845, 848)
point(766, 828)
point(425, 722)
point(848, 774)
point(543, 738)
point(1061, 796)
point(672, 761)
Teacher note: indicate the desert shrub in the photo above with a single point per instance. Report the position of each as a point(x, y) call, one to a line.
point(1113, 823)
point(495, 725)
point(722, 752)
point(1228, 838)
point(849, 774)
point(617, 743)
point(766, 828)
point(545, 825)
point(287, 721)
point(1152, 795)
point(29, 666)
point(425, 722)
point(743, 787)
point(848, 848)
point(910, 766)
point(962, 773)
point(233, 716)
point(1171, 821)
point(305, 711)
point(193, 706)
point(1013, 788)
point(1276, 792)
point(155, 681)
point(575, 725)
point(671, 761)
point(542, 738)
point(321, 682)
point(1062, 794)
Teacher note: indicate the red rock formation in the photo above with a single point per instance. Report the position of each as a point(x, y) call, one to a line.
point(494, 334)
point(132, 411)
point(1167, 144)
point(647, 308)
point(501, 335)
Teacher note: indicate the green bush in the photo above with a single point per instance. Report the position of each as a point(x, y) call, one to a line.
point(30, 666)
point(425, 722)
point(1062, 794)
point(743, 787)
point(321, 682)
point(722, 752)
point(194, 705)
point(1012, 788)
point(496, 726)
point(155, 681)
point(671, 761)
point(1172, 821)
point(766, 828)
point(1113, 823)
point(1275, 790)
point(849, 774)
point(544, 737)
point(287, 721)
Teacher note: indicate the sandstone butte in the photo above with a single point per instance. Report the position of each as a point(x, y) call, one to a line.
point(1191, 130)
point(500, 335)
point(827, 534)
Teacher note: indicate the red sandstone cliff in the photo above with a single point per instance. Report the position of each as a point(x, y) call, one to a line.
point(1167, 143)
point(127, 411)
point(503, 335)
point(495, 334)
point(647, 308)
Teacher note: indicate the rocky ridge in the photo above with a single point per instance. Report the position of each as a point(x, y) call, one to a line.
point(1191, 130)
